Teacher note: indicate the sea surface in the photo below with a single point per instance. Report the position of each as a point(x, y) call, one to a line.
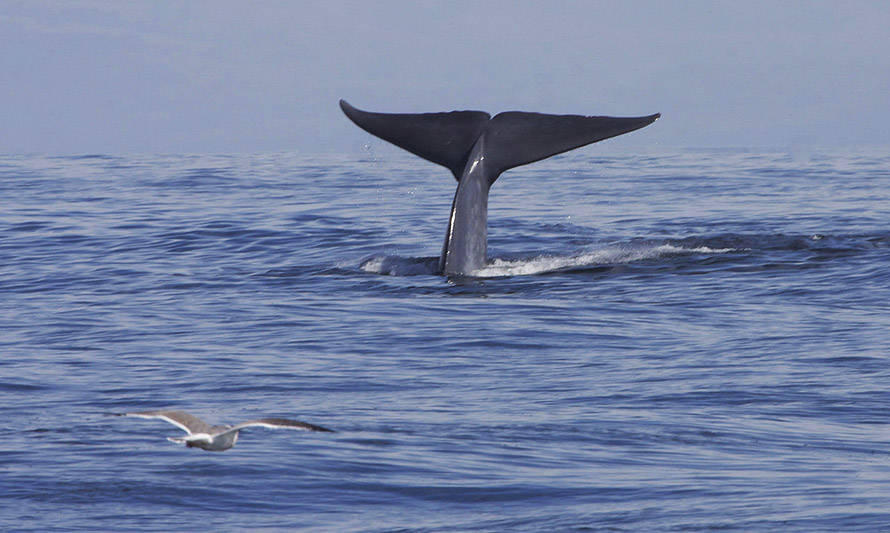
point(676, 340)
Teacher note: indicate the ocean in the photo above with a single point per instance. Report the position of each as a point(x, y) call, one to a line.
point(674, 340)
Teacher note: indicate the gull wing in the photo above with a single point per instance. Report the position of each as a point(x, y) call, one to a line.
point(276, 423)
point(188, 423)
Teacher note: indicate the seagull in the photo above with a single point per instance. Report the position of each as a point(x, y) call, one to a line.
point(216, 438)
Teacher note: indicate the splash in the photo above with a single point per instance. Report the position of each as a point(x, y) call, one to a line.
point(607, 255)
point(393, 265)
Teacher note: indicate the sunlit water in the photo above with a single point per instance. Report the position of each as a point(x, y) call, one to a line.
point(670, 341)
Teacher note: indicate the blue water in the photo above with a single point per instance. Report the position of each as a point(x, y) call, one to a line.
point(678, 340)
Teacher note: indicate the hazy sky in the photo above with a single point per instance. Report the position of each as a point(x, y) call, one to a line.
point(80, 76)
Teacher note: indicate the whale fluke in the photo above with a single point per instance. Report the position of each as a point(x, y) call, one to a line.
point(477, 148)
point(443, 138)
point(517, 138)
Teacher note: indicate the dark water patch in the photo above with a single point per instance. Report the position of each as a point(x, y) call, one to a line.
point(199, 180)
point(29, 227)
point(87, 157)
point(8, 386)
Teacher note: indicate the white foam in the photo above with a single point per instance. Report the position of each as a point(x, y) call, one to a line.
point(373, 265)
point(609, 255)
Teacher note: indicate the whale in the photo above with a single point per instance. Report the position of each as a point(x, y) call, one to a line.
point(477, 148)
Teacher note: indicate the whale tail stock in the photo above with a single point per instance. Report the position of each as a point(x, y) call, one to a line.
point(477, 148)
point(513, 138)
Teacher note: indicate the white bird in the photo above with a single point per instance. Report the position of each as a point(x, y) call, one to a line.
point(216, 438)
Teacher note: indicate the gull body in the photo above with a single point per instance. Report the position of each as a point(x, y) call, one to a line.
point(221, 437)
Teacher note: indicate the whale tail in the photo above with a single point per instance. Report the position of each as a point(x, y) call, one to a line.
point(512, 138)
point(477, 148)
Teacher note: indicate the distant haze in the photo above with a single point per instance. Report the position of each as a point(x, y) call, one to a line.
point(224, 76)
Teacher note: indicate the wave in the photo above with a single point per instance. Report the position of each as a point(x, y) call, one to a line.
point(540, 264)
point(761, 247)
